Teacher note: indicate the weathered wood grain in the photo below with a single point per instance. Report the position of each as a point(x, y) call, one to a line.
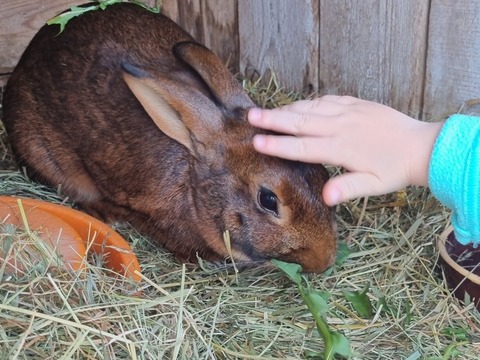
point(211, 22)
point(20, 20)
point(453, 64)
point(368, 48)
point(281, 35)
point(3, 79)
point(375, 50)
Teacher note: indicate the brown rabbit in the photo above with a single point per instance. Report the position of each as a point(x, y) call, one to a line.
point(137, 122)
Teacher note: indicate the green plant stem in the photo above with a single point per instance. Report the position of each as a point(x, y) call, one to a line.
point(322, 325)
point(449, 351)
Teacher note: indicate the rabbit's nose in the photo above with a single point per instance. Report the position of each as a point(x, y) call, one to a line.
point(317, 266)
point(318, 258)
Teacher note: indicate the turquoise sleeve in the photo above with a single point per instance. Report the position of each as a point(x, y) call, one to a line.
point(454, 174)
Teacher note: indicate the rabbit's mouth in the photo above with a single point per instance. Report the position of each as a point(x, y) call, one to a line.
point(315, 258)
point(240, 256)
point(313, 265)
point(307, 258)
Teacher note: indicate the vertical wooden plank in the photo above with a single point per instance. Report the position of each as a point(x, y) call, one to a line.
point(281, 35)
point(221, 30)
point(453, 63)
point(211, 22)
point(190, 18)
point(19, 21)
point(375, 50)
point(170, 8)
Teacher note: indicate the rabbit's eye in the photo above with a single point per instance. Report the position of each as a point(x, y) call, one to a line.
point(268, 201)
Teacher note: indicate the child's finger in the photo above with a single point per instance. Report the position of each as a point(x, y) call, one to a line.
point(306, 149)
point(328, 105)
point(294, 123)
point(350, 186)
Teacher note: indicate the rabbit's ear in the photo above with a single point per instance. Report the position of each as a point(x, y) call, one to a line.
point(226, 89)
point(188, 117)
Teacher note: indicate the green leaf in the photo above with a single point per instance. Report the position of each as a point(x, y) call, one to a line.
point(343, 252)
point(75, 11)
point(316, 301)
point(65, 17)
point(293, 271)
point(341, 345)
point(456, 334)
point(360, 302)
point(319, 303)
point(154, 9)
point(451, 350)
point(385, 307)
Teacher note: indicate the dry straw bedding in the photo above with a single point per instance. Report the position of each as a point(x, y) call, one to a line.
point(206, 312)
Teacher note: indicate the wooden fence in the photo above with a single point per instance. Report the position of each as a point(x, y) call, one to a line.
point(420, 56)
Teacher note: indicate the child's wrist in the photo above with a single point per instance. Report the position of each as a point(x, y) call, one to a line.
point(420, 151)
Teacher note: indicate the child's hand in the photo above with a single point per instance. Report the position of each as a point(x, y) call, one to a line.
point(382, 149)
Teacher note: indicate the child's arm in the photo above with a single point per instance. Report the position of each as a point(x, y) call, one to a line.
point(454, 176)
point(382, 150)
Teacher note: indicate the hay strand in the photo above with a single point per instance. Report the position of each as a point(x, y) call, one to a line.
point(213, 312)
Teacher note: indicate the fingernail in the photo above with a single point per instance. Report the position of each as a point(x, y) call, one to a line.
point(254, 115)
point(259, 142)
point(333, 197)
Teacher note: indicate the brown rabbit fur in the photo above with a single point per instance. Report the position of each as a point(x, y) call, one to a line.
point(139, 123)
